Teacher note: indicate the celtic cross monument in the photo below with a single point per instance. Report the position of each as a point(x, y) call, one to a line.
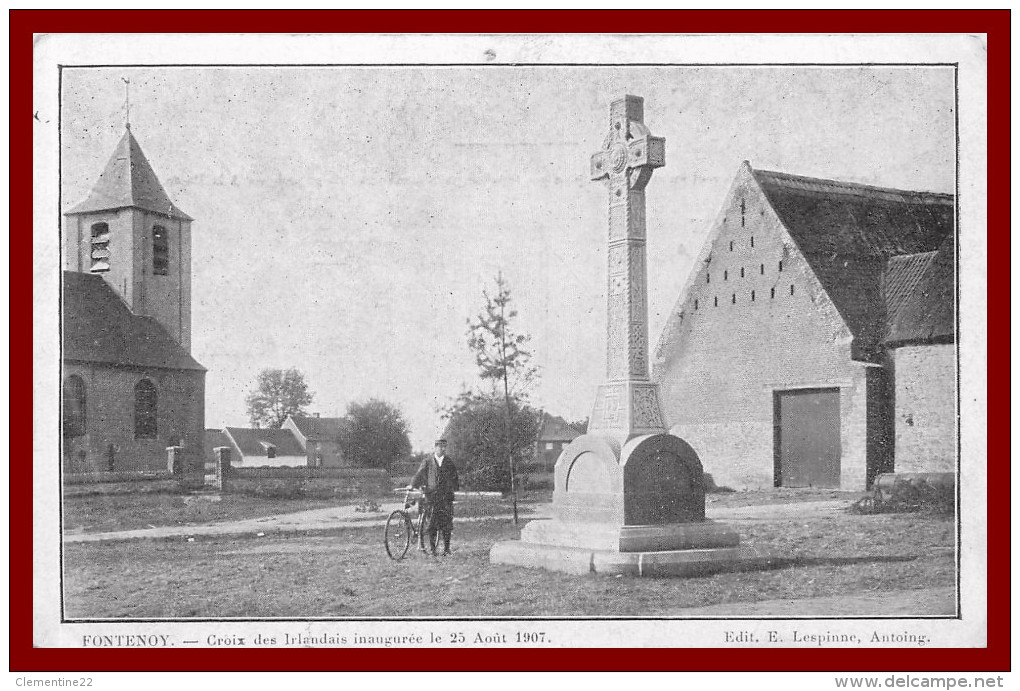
point(628, 497)
point(628, 403)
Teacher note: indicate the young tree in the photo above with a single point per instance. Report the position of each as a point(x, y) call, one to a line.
point(500, 352)
point(375, 435)
point(277, 394)
point(503, 361)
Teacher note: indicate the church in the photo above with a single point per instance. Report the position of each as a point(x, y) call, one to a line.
point(813, 344)
point(130, 385)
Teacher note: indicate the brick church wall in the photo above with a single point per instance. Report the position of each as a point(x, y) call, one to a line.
point(926, 414)
point(110, 418)
point(733, 350)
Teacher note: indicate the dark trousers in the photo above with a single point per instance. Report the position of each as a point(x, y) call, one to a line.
point(442, 523)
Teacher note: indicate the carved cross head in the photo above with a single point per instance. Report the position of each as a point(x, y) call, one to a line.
point(629, 150)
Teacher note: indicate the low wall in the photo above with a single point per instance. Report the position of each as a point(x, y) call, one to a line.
point(324, 482)
point(81, 484)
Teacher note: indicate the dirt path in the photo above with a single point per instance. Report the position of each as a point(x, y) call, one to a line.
point(331, 518)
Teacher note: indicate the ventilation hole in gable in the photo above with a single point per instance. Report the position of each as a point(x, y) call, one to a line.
point(772, 294)
point(731, 245)
point(752, 296)
point(791, 289)
point(752, 241)
point(708, 278)
point(741, 272)
point(762, 269)
point(780, 266)
point(734, 299)
point(715, 301)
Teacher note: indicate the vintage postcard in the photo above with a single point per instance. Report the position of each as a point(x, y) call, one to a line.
point(549, 341)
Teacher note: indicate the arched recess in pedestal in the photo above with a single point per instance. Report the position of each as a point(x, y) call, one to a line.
point(663, 481)
point(587, 462)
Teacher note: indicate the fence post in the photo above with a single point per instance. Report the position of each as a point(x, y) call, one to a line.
point(222, 467)
point(175, 461)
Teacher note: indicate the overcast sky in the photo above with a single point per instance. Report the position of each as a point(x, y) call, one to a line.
point(347, 219)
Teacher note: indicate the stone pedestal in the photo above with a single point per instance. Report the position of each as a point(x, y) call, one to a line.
point(639, 511)
point(629, 497)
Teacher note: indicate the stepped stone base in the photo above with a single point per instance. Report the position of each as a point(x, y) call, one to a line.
point(630, 538)
point(668, 563)
point(673, 549)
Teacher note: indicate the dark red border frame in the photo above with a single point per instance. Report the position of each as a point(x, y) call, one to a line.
point(994, 23)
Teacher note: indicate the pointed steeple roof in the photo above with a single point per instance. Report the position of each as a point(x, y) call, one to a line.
point(129, 181)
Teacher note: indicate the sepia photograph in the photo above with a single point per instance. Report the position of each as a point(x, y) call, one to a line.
point(501, 349)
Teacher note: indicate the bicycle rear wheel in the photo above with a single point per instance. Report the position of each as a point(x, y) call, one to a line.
point(398, 535)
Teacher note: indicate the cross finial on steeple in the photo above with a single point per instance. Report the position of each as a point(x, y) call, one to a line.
point(127, 102)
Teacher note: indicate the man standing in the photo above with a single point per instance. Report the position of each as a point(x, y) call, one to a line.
point(438, 475)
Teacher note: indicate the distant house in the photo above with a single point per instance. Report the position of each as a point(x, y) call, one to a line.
point(319, 437)
point(554, 433)
point(264, 447)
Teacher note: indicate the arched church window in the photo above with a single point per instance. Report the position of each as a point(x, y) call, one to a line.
point(145, 410)
point(160, 251)
point(74, 407)
point(100, 248)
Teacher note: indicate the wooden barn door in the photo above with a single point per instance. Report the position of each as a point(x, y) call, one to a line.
point(807, 445)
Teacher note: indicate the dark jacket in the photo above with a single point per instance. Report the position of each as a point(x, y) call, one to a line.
point(442, 480)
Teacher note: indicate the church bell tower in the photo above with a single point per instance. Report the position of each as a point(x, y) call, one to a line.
point(130, 233)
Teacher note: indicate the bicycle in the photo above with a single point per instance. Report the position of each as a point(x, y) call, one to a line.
point(401, 530)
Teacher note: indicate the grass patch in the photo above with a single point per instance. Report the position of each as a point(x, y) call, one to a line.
point(346, 573)
point(109, 512)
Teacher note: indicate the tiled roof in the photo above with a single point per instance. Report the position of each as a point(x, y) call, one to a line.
point(927, 314)
point(320, 428)
point(129, 181)
point(556, 429)
point(251, 442)
point(99, 327)
point(901, 277)
point(212, 439)
point(848, 232)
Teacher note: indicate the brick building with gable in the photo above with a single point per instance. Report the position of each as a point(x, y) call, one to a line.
point(784, 362)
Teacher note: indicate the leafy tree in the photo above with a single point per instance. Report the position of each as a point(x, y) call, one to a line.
point(503, 361)
point(478, 439)
point(375, 434)
point(278, 393)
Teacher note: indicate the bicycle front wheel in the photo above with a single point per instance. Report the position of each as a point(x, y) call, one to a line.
point(398, 534)
point(426, 536)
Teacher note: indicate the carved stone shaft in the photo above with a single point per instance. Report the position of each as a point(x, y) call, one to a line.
point(629, 155)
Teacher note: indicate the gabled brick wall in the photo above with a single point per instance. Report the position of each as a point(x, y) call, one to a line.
point(721, 360)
